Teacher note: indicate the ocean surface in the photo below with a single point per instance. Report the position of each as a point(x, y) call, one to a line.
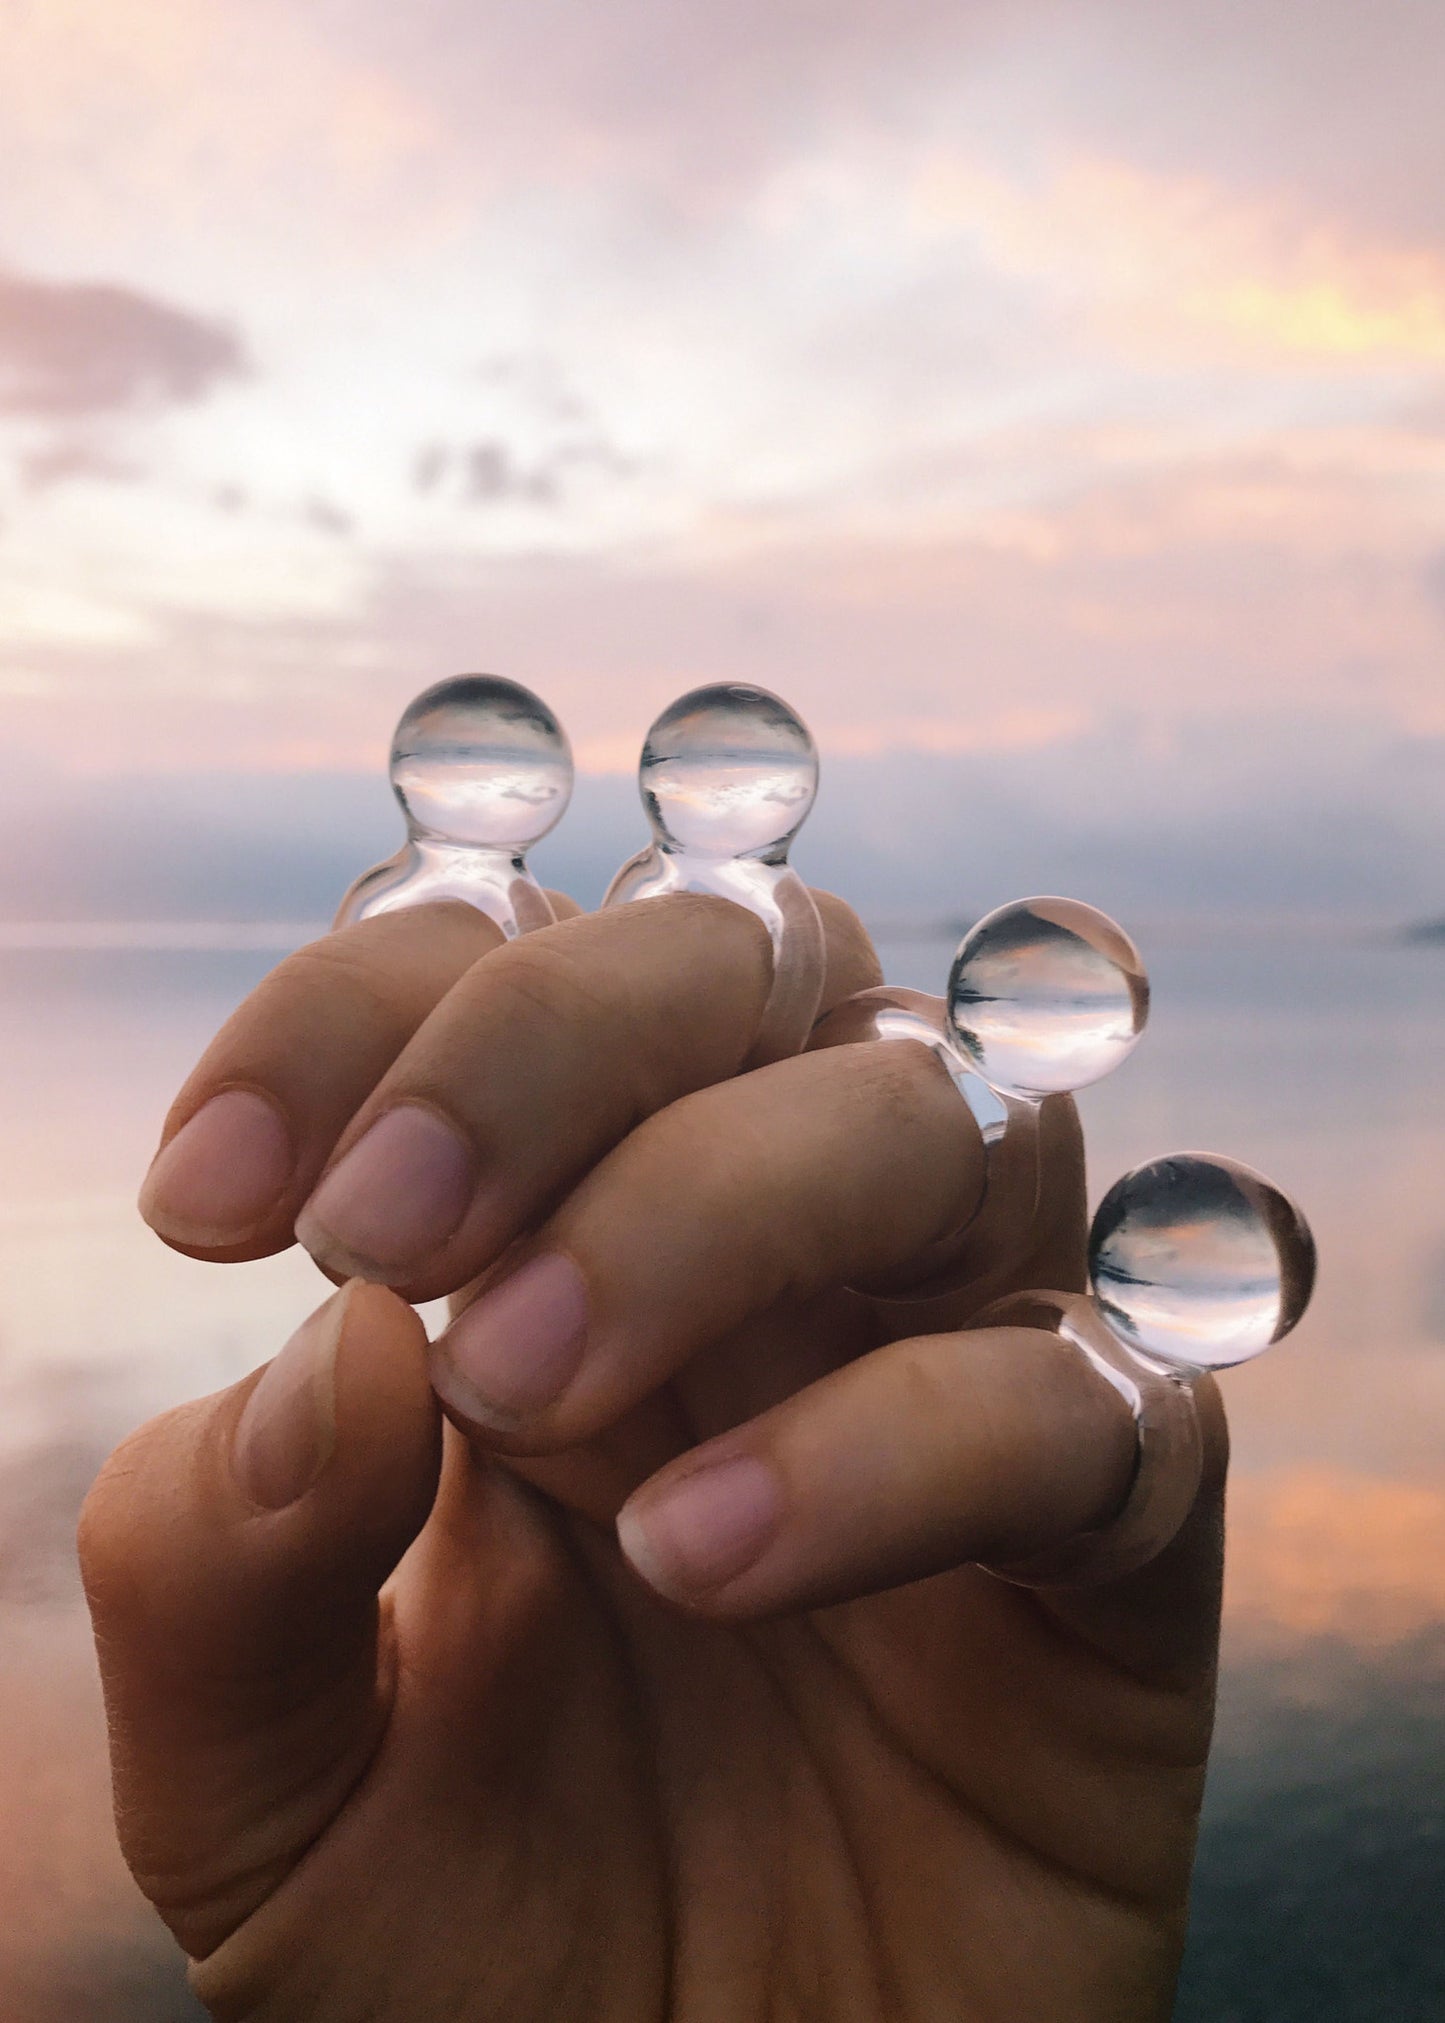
point(1322, 1866)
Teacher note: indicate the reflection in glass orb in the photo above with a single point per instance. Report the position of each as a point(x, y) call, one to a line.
point(1047, 995)
point(728, 771)
point(1199, 1261)
point(483, 763)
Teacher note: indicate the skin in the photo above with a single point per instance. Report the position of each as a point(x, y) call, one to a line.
point(421, 1740)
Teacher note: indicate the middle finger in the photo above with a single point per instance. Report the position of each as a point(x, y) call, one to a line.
point(803, 1176)
point(540, 1059)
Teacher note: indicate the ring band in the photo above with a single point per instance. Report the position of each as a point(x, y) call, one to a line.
point(800, 958)
point(777, 896)
point(1010, 1177)
point(1170, 1460)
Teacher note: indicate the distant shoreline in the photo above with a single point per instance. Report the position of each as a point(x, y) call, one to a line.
point(154, 937)
point(204, 937)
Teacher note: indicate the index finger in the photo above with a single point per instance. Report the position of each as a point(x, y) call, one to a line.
point(538, 1053)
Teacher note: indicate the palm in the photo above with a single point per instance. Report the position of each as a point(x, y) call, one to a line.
point(588, 1804)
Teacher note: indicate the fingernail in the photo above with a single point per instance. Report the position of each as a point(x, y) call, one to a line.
point(286, 1433)
point(399, 1192)
point(222, 1172)
point(706, 1529)
point(518, 1347)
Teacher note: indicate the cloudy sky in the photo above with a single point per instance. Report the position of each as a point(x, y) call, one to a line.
point(1047, 396)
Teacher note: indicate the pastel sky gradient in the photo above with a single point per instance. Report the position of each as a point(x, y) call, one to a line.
point(1047, 396)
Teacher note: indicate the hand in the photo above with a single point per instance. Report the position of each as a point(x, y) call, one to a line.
point(398, 1730)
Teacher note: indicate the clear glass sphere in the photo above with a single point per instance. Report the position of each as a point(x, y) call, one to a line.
point(1199, 1261)
point(483, 763)
point(1047, 995)
point(728, 771)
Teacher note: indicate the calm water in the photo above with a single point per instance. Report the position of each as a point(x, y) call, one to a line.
point(1322, 1870)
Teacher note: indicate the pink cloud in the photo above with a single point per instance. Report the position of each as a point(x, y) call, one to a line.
point(71, 348)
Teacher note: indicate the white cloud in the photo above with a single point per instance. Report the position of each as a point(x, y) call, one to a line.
point(980, 377)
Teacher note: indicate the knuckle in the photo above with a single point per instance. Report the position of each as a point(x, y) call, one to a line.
point(339, 963)
point(700, 925)
point(907, 1083)
point(930, 1385)
point(853, 963)
point(542, 983)
point(707, 909)
point(564, 906)
point(578, 998)
point(395, 965)
point(432, 923)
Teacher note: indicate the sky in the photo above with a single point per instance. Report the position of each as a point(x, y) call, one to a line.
point(1046, 396)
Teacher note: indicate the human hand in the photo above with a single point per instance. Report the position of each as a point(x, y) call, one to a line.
point(398, 1731)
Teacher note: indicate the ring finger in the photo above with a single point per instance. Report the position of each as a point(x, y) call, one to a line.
point(811, 1174)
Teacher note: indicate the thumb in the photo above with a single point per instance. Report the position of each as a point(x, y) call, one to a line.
point(232, 1553)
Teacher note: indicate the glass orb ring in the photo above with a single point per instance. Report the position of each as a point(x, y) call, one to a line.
point(482, 771)
point(1046, 996)
point(1199, 1262)
point(728, 775)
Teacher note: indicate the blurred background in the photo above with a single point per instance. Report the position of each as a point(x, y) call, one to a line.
point(1048, 398)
